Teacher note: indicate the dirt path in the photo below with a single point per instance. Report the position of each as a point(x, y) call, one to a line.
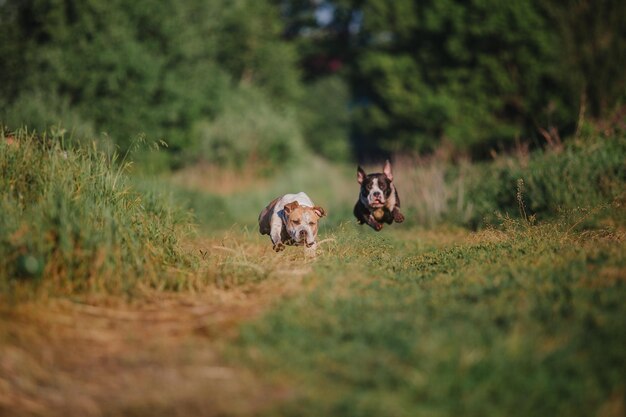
point(157, 356)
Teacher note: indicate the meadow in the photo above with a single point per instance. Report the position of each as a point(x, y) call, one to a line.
point(501, 295)
point(140, 140)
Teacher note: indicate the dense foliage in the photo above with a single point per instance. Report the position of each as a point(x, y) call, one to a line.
point(127, 68)
point(469, 74)
point(474, 75)
point(584, 175)
point(381, 76)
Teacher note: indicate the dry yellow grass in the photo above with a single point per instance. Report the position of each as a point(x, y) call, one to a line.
point(216, 180)
point(157, 354)
point(162, 355)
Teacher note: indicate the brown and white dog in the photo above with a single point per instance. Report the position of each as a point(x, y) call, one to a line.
point(291, 220)
point(378, 199)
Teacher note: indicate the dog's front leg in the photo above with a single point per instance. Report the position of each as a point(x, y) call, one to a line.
point(278, 247)
point(371, 221)
point(364, 216)
point(397, 216)
point(275, 234)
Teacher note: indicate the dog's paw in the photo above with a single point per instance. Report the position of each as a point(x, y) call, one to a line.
point(280, 246)
point(397, 216)
point(377, 226)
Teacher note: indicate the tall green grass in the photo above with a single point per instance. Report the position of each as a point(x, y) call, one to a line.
point(70, 222)
point(584, 174)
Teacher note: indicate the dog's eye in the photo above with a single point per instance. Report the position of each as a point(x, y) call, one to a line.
point(296, 222)
point(311, 223)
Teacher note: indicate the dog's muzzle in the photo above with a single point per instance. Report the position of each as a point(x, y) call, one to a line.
point(304, 238)
point(376, 199)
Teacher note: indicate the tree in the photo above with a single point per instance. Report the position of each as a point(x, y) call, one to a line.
point(472, 74)
point(592, 51)
point(144, 67)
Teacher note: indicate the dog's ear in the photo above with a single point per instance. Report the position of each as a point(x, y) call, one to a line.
point(360, 174)
point(290, 206)
point(387, 170)
point(319, 211)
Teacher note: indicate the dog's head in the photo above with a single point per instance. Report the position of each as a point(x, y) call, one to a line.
point(375, 188)
point(301, 222)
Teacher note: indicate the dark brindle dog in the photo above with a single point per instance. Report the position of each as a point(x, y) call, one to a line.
point(378, 200)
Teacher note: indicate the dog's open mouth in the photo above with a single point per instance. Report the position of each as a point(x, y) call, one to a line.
point(377, 203)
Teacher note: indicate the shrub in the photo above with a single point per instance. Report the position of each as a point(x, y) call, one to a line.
point(326, 119)
point(585, 173)
point(249, 131)
point(130, 68)
point(43, 111)
point(70, 221)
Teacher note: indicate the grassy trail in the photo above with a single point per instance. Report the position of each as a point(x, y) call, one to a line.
point(161, 353)
point(131, 316)
point(439, 322)
point(156, 355)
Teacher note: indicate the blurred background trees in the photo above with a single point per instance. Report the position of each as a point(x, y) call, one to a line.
point(472, 76)
point(242, 81)
point(160, 68)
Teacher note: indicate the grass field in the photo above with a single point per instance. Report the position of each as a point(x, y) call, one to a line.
point(515, 322)
point(523, 317)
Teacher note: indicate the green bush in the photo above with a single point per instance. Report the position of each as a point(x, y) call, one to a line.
point(133, 68)
point(42, 111)
point(470, 74)
point(71, 222)
point(584, 174)
point(210, 212)
point(249, 131)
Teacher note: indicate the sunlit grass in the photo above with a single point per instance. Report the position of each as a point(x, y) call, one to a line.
point(72, 223)
point(524, 320)
point(424, 318)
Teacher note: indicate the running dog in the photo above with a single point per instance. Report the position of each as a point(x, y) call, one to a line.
point(291, 220)
point(378, 201)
